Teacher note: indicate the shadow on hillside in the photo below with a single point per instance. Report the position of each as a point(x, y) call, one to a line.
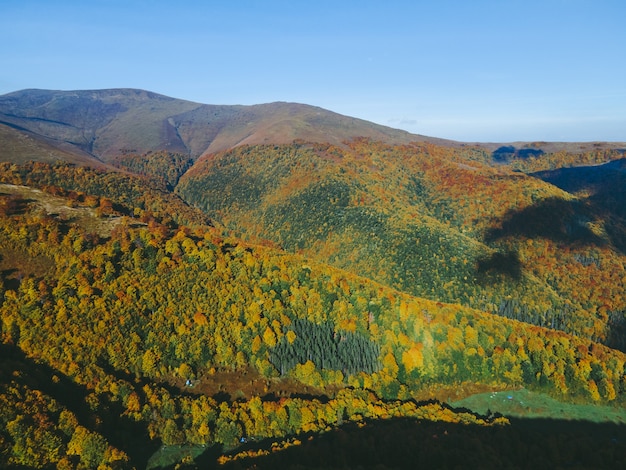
point(570, 223)
point(120, 431)
point(605, 202)
point(506, 264)
point(588, 178)
point(12, 278)
point(509, 152)
point(14, 204)
point(553, 218)
point(407, 443)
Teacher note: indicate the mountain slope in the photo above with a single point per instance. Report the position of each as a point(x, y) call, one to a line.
point(602, 188)
point(20, 145)
point(100, 122)
point(431, 221)
point(106, 123)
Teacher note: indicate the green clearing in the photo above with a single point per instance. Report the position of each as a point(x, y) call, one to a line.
point(523, 403)
point(168, 456)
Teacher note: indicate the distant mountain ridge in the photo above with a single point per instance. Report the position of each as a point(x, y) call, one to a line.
point(105, 123)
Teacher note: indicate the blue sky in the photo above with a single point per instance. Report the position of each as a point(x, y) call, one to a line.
point(480, 70)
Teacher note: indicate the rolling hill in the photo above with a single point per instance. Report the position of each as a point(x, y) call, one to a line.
point(233, 281)
point(105, 123)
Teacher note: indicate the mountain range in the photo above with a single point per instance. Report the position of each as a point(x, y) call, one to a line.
point(225, 277)
point(101, 124)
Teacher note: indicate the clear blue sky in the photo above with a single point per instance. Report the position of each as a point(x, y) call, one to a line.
point(473, 70)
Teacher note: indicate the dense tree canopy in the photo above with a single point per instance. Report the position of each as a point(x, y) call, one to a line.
point(120, 296)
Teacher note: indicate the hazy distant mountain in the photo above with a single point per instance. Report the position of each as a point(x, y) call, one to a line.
point(105, 123)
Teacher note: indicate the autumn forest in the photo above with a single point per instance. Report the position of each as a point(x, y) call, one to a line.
point(269, 304)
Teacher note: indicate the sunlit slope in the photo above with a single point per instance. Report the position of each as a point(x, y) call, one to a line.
point(113, 122)
point(432, 221)
point(18, 145)
point(103, 123)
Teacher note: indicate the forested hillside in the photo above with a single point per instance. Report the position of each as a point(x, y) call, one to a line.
point(441, 223)
point(103, 328)
point(276, 285)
